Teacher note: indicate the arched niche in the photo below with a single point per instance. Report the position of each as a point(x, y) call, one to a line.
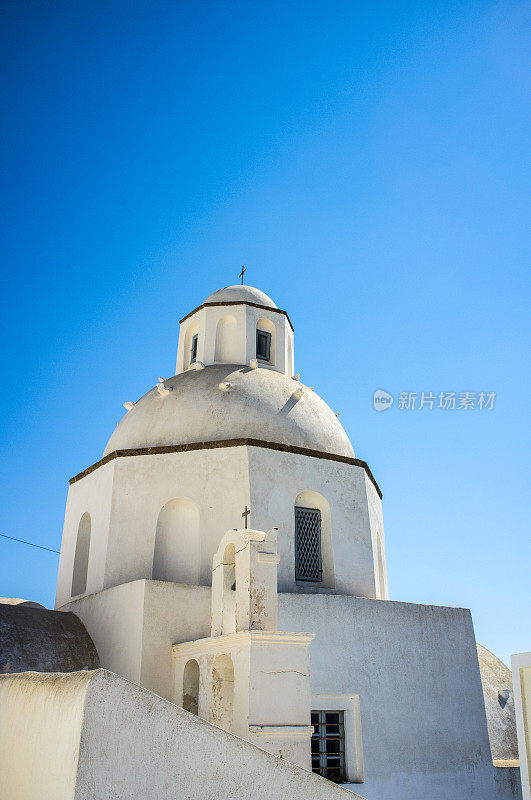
point(177, 552)
point(191, 686)
point(227, 340)
point(222, 692)
point(191, 331)
point(228, 623)
point(380, 567)
point(313, 500)
point(81, 558)
point(269, 327)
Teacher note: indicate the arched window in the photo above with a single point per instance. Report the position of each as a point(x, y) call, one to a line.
point(191, 686)
point(380, 566)
point(81, 558)
point(227, 340)
point(190, 344)
point(177, 552)
point(222, 692)
point(314, 558)
point(228, 622)
point(265, 341)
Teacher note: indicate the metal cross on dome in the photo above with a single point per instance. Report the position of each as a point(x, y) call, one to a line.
point(245, 514)
point(242, 273)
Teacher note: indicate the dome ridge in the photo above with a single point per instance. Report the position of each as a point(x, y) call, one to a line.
point(239, 293)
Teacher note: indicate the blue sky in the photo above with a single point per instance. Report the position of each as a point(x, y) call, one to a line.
point(369, 163)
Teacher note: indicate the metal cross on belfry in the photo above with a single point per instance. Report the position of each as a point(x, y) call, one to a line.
point(242, 273)
point(246, 514)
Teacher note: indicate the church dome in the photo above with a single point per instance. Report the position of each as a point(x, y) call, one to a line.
point(228, 401)
point(238, 293)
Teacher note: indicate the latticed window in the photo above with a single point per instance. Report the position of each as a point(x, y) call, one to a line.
point(308, 566)
point(328, 744)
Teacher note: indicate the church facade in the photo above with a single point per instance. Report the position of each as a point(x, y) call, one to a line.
point(228, 554)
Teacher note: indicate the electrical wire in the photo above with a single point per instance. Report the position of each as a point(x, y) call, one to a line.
point(31, 544)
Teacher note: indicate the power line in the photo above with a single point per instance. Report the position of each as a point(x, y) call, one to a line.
point(40, 546)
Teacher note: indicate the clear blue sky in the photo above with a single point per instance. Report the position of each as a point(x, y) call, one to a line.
point(368, 162)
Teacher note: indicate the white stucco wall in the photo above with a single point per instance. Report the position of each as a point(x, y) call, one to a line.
point(127, 495)
point(41, 717)
point(135, 625)
point(377, 531)
point(114, 619)
point(172, 613)
point(415, 670)
point(92, 494)
point(272, 502)
point(95, 736)
point(521, 668)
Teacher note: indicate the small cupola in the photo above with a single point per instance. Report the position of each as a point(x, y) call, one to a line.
point(236, 325)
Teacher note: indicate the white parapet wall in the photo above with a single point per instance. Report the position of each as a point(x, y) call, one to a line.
point(521, 667)
point(92, 735)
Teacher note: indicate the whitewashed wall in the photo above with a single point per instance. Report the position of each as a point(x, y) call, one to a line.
point(125, 498)
point(93, 736)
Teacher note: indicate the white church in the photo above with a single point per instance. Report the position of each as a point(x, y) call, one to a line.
point(225, 560)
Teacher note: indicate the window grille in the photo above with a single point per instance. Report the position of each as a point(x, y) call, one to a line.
point(328, 744)
point(263, 345)
point(193, 353)
point(308, 565)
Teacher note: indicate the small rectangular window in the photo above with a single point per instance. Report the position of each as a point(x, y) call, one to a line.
point(193, 352)
point(308, 565)
point(263, 345)
point(328, 744)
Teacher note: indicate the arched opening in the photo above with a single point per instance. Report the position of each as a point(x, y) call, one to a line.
point(190, 344)
point(290, 354)
point(314, 557)
point(265, 341)
point(380, 566)
point(227, 340)
point(228, 621)
point(222, 692)
point(191, 686)
point(81, 558)
point(177, 552)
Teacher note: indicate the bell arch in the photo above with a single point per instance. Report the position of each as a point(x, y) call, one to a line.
point(226, 349)
point(177, 551)
point(311, 500)
point(191, 686)
point(81, 557)
point(222, 702)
